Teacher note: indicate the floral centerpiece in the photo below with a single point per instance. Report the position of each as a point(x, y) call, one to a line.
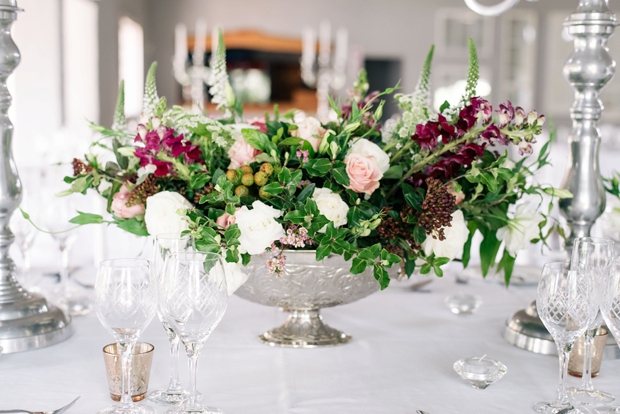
point(411, 192)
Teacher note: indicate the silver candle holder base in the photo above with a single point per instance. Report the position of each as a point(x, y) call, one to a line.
point(31, 323)
point(525, 330)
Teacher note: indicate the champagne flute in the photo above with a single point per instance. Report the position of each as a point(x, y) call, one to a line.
point(164, 245)
point(126, 301)
point(193, 299)
point(594, 257)
point(565, 305)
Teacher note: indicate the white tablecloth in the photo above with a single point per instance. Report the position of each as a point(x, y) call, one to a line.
point(400, 360)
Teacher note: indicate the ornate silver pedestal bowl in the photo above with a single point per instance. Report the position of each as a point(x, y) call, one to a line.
point(305, 287)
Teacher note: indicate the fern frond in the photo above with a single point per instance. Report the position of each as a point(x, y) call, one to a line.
point(473, 72)
point(150, 92)
point(119, 124)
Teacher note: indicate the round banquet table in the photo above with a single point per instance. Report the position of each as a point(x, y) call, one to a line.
point(399, 361)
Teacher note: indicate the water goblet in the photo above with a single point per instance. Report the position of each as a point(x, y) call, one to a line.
point(610, 309)
point(594, 258)
point(564, 303)
point(25, 234)
point(163, 246)
point(193, 298)
point(126, 301)
point(69, 297)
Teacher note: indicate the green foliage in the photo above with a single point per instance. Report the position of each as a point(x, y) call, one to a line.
point(119, 123)
point(473, 72)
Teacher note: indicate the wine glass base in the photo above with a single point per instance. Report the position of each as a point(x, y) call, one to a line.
point(553, 408)
point(168, 397)
point(128, 409)
point(75, 306)
point(607, 410)
point(201, 410)
point(590, 397)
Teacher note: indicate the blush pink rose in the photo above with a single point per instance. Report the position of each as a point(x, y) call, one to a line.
point(119, 205)
point(241, 153)
point(226, 220)
point(311, 130)
point(364, 173)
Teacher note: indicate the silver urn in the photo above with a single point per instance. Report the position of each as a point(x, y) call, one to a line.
point(305, 287)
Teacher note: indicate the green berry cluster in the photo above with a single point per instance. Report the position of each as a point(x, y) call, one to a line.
point(245, 177)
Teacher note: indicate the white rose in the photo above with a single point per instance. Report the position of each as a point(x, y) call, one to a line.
point(331, 206)
point(520, 230)
point(311, 130)
point(369, 149)
point(258, 227)
point(452, 245)
point(165, 213)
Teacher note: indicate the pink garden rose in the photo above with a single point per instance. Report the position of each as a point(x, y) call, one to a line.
point(311, 130)
point(366, 163)
point(241, 153)
point(119, 205)
point(226, 220)
point(363, 172)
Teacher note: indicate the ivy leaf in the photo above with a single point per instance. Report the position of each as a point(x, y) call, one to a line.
point(273, 188)
point(341, 176)
point(86, 218)
point(419, 234)
point(295, 216)
point(133, 226)
point(323, 251)
point(318, 167)
point(305, 193)
point(395, 172)
point(382, 276)
point(358, 265)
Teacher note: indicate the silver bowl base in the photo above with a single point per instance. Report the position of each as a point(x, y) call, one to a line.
point(304, 329)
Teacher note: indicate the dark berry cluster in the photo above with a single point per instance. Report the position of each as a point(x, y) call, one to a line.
point(79, 167)
point(437, 209)
point(143, 191)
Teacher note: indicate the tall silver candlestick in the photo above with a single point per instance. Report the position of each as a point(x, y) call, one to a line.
point(588, 70)
point(27, 321)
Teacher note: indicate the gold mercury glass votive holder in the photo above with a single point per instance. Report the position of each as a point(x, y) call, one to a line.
point(575, 362)
point(140, 370)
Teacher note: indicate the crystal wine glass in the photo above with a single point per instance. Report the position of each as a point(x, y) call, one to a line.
point(565, 305)
point(69, 297)
point(164, 245)
point(126, 301)
point(193, 299)
point(594, 257)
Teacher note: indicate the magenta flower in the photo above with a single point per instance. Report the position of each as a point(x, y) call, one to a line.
point(493, 135)
point(482, 109)
point(506, 114)
point(426, 135)
point(519, 116)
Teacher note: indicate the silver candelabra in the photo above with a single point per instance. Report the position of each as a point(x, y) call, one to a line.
point(27, 321)
point(331, 71)
point(198, 74)
point(588, 70)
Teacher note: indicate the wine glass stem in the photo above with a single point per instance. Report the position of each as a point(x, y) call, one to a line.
point(64, 272)
point(563, 352)
point(126, 352)
point(192, 404)
point(175, 383)
point(586, 376)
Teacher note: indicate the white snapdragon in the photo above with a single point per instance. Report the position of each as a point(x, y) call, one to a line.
point(519, 231)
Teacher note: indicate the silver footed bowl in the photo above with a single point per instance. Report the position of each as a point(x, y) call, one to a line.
point(305, 287)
